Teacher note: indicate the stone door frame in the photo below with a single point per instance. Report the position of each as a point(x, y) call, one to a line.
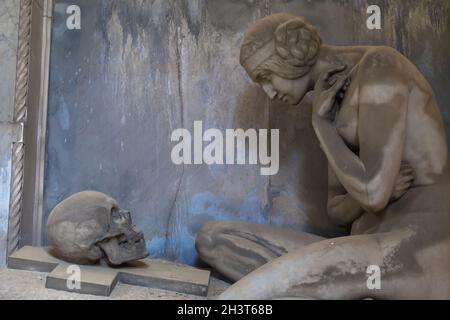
point(30, 119)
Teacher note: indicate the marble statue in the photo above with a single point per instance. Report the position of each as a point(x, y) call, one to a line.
point(378, 123)
point(90, 227)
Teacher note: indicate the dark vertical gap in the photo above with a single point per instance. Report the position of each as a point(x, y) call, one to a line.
point(268, 214)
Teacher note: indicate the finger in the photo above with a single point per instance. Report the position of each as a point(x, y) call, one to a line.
point(334, 80)
point(406, 172)
point(405, 164)
point(337, 84)
point(404, 179)
point(406, 167)
point(402, 185)
point(321, 82)
point(404, 182)
point(408, 177)
point(404, 189)
point(333, 70)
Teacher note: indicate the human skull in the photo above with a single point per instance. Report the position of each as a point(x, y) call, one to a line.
point(89, 226)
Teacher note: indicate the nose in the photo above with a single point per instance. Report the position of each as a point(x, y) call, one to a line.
point(270, 91)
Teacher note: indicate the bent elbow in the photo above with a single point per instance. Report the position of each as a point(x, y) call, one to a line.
point(377, 198)
point(376, 207)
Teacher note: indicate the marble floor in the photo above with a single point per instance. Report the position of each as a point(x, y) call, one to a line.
point(26, 285)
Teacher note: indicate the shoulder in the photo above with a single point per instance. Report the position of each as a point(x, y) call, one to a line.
point(382, 76)
point(383, 61)
point(382, 56)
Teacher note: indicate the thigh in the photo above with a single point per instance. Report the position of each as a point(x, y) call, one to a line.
point(236, 248)
point(279, 240)
point(337, 269)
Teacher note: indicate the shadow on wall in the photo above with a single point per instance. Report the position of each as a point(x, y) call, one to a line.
point(297, 194)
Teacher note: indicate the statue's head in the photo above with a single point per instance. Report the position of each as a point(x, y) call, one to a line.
point(278, 52)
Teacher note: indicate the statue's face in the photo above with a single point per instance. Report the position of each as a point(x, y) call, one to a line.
point(286, 90)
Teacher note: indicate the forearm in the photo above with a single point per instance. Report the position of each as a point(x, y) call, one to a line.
point(344, 209)
point(346, 165)
point(370, 175)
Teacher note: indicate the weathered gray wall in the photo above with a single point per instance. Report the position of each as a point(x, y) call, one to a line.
point(9, 16)
point(140, 69)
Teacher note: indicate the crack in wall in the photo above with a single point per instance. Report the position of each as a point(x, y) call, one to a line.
point(178, 54)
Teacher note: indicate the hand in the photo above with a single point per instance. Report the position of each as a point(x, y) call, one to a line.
point(327, 89)
point(404, 181)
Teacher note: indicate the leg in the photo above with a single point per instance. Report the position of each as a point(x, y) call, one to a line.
point(237, 248)
point(336, 269)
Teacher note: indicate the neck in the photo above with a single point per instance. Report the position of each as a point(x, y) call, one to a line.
point(333, 56)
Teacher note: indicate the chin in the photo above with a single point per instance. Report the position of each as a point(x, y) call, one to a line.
point(292, 101)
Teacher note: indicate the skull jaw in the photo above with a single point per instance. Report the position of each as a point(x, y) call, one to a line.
point(117, 254)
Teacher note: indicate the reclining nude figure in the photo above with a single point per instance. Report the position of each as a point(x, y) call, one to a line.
point(379, 125)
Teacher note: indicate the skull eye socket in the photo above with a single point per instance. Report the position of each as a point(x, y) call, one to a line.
point(120, 216)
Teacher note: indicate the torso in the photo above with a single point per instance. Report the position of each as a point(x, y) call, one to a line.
point(425, 127)
point(425, 149)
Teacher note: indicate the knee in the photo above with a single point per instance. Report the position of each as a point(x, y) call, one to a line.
point(206, 238)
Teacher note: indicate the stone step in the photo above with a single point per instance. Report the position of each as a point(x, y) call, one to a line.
point(101, 280)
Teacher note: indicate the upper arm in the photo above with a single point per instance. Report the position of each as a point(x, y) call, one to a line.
point(383, 104)
point(335, 188)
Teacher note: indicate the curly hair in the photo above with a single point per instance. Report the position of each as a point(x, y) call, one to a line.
point(281, 43)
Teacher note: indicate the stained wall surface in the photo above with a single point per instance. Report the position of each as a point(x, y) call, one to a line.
point(137, 70)
point(9, 17)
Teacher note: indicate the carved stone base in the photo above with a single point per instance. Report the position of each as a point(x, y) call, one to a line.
point(101, 280)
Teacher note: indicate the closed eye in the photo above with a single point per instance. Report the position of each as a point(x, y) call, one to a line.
point(263, 77)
